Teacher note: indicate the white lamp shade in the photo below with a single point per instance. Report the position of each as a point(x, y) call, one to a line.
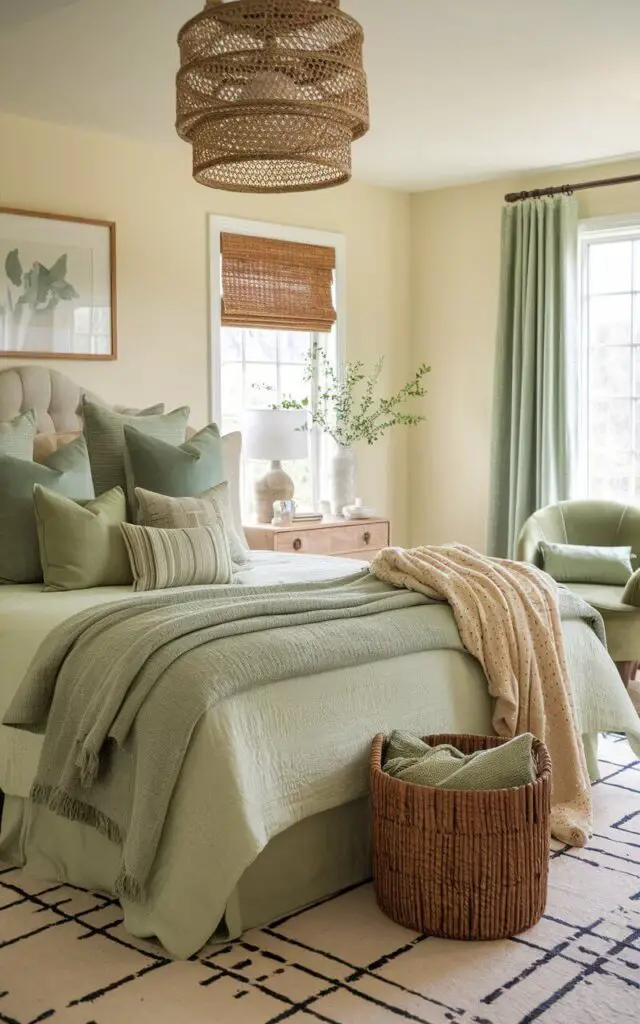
point(275, 435)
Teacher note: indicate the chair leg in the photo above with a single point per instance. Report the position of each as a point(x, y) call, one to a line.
point(627, 670)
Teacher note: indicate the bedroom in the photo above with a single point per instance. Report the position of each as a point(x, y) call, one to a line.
point(87, 110)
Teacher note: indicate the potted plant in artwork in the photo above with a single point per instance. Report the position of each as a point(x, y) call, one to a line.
point(349, 410)
point(31, 297)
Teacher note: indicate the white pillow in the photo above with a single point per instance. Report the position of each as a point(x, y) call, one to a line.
point(231, 452)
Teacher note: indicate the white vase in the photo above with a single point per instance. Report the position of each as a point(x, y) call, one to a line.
point(344, 466)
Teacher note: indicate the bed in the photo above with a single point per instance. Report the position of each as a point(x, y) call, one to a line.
point(308, 832)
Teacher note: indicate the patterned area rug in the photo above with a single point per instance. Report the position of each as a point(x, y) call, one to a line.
point(65, 957)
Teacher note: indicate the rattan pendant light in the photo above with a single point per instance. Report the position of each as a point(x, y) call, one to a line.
point(271, 94)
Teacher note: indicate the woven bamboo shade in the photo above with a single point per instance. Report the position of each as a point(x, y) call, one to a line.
point(276, 285)
point(271, 94)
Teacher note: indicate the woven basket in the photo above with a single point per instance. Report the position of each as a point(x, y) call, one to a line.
point(461, 864)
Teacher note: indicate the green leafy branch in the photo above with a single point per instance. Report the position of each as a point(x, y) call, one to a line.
point(348, 408)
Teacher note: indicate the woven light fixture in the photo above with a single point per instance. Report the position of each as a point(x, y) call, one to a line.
point(271, 94)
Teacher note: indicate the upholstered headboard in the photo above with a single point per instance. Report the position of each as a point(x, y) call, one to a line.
point(55, 398)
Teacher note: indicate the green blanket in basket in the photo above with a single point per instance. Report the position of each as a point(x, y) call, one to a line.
point(445, 767)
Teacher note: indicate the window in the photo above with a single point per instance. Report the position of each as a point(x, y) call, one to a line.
point(610, 317)
point(255, 367)
point(258, 368)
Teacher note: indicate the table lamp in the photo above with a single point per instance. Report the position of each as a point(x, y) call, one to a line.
point(274, 435)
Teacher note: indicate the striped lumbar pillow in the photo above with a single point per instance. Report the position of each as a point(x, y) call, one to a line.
point(177, 558)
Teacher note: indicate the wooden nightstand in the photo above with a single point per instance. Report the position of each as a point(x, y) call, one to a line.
point(348, 538)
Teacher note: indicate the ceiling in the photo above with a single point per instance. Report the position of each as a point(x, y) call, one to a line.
point(460, 90)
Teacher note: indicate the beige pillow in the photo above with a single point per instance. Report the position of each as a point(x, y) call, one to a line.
point(168, 513)
point(46, 444)
point(161, 559)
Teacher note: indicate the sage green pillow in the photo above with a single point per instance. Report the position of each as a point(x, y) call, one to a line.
point(81, 544)
point(181, 513)
point(66, 471)
point(16, 436)
point(104, 431)
point(575, 563)
point(179, 471)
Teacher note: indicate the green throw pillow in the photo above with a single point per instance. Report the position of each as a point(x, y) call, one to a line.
point(16, 436)
point(81, 544)
point(182, 513)
point(575, 563)
point(66, 471)
point(179, 471)
point(104, 431)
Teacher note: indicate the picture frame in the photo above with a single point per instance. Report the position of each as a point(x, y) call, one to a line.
point(57, 286)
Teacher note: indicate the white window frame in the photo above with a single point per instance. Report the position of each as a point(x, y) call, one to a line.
point(286, 233)
point(593, 229)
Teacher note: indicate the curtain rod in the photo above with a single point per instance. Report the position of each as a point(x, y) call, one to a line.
point(539, 193)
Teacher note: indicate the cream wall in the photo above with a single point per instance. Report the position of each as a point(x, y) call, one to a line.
point(161, 219)
point(455, 261)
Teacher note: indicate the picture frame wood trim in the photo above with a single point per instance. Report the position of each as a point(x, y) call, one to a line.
point(95, 222)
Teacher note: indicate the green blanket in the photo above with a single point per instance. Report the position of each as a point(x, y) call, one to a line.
point(511, 764)
point(120, 689)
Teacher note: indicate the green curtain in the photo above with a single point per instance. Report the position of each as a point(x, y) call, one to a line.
point(536, 376)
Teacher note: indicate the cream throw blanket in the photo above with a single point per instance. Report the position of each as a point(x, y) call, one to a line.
point(508, 618)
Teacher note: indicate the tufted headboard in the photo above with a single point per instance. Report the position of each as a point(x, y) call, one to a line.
point(55, 398)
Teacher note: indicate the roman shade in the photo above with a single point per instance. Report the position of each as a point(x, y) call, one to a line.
point(276, 285)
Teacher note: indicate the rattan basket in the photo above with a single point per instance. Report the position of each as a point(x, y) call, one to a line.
point(461, 864)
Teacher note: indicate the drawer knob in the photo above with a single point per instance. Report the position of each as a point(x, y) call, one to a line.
point(297, 544)
point(366, 537)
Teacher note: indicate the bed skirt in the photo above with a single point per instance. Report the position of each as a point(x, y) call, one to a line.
point(314, 859)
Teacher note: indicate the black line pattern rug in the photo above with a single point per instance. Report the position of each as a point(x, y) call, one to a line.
point(66, 958)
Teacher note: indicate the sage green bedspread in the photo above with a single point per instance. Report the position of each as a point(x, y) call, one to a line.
point(259, 763)
point(120, 690)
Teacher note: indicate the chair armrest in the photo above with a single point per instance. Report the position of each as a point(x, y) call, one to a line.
point(631, 594)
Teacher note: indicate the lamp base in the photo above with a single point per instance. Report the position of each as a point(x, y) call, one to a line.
point(276, 485)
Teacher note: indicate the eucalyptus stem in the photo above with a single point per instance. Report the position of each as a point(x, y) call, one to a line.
point(348, 409)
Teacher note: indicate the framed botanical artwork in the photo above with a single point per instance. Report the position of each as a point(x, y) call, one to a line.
point(57, 286)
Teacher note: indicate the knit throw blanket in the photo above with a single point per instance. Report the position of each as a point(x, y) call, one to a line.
point(119, 690)
point(508, 617)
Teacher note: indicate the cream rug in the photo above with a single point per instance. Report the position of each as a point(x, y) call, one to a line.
point(65, 957)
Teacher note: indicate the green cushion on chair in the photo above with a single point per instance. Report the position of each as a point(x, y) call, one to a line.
point(582, 563)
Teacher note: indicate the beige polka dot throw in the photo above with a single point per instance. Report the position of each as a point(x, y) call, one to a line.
point(508, 618)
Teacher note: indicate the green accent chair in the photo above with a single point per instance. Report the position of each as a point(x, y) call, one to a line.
point(602, 524)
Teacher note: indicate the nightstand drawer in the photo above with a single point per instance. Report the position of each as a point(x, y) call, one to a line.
point(302, 542)
point(334, 540)
point(364, 536)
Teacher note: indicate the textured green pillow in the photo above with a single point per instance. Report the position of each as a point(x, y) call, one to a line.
point(168, 513)
point(16, 436)
point(81, 544)
point(66, 471)
point(104, 431)
point(179, 471)
point(575, 563)
point(631, 593)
